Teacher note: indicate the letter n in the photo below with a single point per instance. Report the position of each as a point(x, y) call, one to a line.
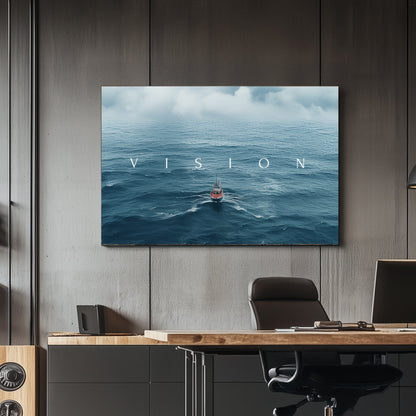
point(302, 164)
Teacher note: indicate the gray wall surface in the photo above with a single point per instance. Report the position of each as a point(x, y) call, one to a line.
point(361, 46)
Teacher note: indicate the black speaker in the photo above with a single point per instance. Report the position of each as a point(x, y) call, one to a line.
point(91, 319)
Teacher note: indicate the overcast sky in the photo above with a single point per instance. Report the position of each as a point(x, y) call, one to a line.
point(246, 103)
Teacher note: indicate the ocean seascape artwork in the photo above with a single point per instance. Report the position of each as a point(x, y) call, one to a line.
point(220, 166)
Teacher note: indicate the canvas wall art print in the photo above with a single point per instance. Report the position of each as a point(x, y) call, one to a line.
point(220, 165)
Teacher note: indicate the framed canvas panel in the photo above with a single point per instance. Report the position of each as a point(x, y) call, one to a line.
point(220, 165)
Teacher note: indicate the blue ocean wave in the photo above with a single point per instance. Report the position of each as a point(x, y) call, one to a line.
point(283, 204)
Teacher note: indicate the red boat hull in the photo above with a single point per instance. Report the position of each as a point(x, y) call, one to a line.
point(217, 197)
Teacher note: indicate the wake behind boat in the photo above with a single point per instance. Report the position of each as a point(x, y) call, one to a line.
point(217, 192)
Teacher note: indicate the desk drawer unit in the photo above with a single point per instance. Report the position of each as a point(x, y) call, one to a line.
point(98, 380)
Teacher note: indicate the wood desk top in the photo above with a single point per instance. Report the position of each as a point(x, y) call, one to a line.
point(379, 337)
point(66, 338)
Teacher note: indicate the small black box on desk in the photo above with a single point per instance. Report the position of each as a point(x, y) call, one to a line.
point(91, 319)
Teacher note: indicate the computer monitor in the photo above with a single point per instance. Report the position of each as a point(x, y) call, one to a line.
point(394, 298)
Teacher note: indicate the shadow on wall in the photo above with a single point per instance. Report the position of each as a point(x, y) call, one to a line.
point(3, 227)
point(117, 323)
point(3, 314)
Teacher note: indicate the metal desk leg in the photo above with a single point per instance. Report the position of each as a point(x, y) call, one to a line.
point(186, 361)
point(203, 386)
point(195, 383)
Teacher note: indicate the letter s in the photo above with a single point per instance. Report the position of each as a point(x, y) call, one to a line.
point(198, 163)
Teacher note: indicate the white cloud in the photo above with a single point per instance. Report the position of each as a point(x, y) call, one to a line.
point(248, 103)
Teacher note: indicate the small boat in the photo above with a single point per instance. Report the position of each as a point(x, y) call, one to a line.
point(217, 192)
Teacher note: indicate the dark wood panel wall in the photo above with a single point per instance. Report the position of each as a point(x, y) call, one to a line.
point(237, 42)
point(361, 46)
point(17, 173)
point(411, 122)
point(82, 46)
point(4, 173)
point(364, 51)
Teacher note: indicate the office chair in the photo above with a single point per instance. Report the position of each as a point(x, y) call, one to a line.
point(281, 302)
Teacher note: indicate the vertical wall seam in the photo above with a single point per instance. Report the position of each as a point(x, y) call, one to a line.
point(150, 83)
point(150, 287)
point(407, 127)
point(34, 238)
point(36, 170)
point(30, 26)
point(150, 42)
point(320, 41)
point(9, 129)
point(320, 83)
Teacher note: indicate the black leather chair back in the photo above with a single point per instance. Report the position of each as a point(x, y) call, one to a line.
point(282, 302)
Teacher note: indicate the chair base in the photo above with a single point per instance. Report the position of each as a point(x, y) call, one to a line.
point(289, 410)
point(329, 408)
point(331, 404)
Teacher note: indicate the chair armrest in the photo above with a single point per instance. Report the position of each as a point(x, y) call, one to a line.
point(283, 378)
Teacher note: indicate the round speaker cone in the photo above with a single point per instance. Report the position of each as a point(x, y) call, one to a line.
point(12, 376)
point(10, 408)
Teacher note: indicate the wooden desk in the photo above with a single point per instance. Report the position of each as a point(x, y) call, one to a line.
point(381, 337)
point(196, 343)
point(385, 339)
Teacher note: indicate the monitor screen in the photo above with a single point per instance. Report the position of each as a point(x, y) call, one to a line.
point(394, 292)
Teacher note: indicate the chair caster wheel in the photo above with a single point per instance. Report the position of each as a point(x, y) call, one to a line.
point(285, 411)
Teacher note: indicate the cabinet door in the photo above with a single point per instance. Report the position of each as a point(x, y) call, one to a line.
point(98, 399)
point(167, 399)
point(94, 364)
point(248, 399)
point(166, 364)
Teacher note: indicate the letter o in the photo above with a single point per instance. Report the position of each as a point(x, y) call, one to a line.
point(261, 165)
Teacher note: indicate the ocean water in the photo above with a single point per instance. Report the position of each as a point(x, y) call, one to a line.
point(283, 203)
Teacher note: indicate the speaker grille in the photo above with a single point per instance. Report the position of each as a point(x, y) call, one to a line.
point(12, 376)
point(10, 408)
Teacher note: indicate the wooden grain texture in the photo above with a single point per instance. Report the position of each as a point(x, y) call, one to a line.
point(100, 340)
point(235, 42)
point(364, 52)
point(206, 287)
point(82, 46)
point(4, 173)
point(26, 356)
point(235, 338)
point(228, 43)
point(411, 125)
